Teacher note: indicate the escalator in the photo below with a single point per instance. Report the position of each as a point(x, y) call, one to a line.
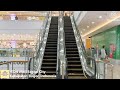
point(49, 62)
point(74, 67)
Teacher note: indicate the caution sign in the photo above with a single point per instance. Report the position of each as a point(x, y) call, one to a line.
point(88, 43)
point(4, 74)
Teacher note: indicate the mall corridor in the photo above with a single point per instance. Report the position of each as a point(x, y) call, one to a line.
point(59, 45)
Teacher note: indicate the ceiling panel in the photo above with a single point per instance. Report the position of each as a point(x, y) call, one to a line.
point(95, 19)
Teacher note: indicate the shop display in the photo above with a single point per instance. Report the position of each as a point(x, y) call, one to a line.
point(18, 48)
point(17, 44)
point(15, 52)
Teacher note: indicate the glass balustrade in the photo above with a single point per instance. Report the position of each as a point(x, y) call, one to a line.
point(16, 52)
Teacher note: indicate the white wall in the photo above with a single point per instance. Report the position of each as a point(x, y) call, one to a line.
point(76, 14)
point(20, 26)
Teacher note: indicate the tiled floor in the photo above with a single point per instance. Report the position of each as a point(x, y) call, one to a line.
point(116, 69)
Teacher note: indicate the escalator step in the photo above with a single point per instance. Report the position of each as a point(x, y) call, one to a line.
point(73, 61)
point(74, 69)
point(74, 65)
point(49, 61)
point(72, 54)
point(48, 69)
point(77, 77)
point(43, 67)
point(48, 65)
point(50, 57)
point(50, 72)
point(50, 50)
point(75, 74)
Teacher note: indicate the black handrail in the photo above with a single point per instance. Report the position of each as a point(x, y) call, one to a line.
point(91, 58)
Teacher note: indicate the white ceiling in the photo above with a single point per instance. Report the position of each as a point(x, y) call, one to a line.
point(92, 21)
point(33, 27)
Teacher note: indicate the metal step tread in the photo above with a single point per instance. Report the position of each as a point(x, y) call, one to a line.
point(49, 59)
point(74, 69)
point(71, 54)
point(50, 72)
point(47, 67)
point(74, 65)
point(48, 78)
point(77, 77)
point(72, 61)
point(75, 74)
point(73, 58)
point(48, 63)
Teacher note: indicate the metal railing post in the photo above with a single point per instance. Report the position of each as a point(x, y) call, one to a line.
point(63, 70)
point(7, 66)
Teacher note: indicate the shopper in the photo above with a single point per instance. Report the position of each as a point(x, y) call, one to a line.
point(103, 53)
point(16, 18)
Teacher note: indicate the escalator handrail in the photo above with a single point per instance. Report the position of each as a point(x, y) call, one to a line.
point(40, 42)
point(43, 33)
point(61, 56)
point(58, 60)
point(42, 48)
point(83, 48)
point(64, 46)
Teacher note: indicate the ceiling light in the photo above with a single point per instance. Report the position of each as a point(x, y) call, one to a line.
point(88, 26)
point(83, 29)
point(100, 16)
point(33, 17)
point(93, 22)
point(29, 18)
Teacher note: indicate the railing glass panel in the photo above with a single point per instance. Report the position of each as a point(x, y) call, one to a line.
point(88, 63)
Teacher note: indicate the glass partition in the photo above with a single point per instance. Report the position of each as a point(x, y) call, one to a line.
point(16, 52)
point(88, 63)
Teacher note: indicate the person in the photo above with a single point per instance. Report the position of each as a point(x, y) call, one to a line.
point(16, 18)
point(103, 53)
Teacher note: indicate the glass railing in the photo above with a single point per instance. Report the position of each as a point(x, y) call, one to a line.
point(15, 69)
point(61, 65)
point(104, 69)
point(16, 52)
point(41, 34)
point(88, 63)
point(58, 76)
point(35, 61)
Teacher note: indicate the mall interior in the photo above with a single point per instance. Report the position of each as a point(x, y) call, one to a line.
point(59, 44)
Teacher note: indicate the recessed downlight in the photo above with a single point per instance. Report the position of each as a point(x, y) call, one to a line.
point(88, 26)
point(93, 22)
point(83, 29)
point(100, 17)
